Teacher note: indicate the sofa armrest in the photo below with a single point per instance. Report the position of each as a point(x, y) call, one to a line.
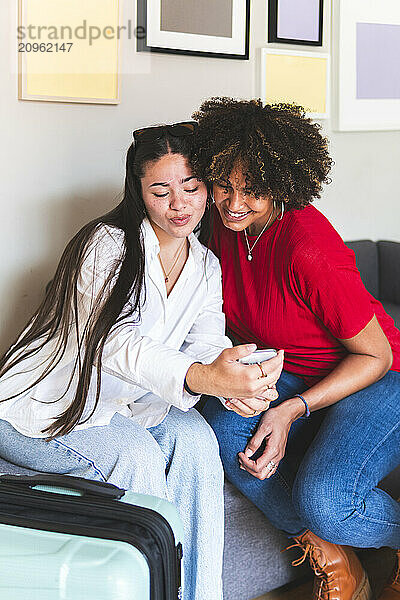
point(366, 253)
point(389, 271)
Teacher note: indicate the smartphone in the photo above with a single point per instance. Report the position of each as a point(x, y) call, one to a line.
point(258, 356)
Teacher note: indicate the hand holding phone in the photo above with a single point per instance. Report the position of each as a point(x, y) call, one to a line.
point(251, 407)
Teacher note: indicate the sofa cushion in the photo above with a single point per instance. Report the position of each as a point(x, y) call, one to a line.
point(367, 263)
point(389, 271)
point(394, 311)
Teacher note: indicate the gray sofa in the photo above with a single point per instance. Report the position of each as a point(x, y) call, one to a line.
point(253, 562)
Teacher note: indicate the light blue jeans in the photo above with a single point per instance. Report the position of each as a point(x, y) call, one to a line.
point(328, 478)
point(177, 460)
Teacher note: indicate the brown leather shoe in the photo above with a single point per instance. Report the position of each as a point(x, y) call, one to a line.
point(339, 574)
point(392, 590)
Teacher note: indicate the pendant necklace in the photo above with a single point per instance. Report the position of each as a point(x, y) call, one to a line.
point(166, 275)
point(250, 249)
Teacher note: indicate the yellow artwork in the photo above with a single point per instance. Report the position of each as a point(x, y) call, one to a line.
point(299, 77)
point(69, 50)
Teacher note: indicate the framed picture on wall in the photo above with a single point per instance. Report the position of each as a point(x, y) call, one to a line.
point(211, 28)
point(296, 21)
point(297, 77)
point(64, 64)
point(368, 47)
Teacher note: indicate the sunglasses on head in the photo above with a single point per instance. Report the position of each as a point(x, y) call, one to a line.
point(151, 134)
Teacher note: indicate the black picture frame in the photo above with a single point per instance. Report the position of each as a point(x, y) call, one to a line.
point(142, 45)
point(273, 26)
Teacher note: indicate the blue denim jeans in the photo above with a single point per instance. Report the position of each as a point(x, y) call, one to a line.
point(177, 460)
point(327, 481)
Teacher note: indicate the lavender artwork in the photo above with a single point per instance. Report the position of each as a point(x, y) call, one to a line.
point(378, 61)
point(298, 20)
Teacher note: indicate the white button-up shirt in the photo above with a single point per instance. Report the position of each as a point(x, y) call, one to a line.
point(144, 364)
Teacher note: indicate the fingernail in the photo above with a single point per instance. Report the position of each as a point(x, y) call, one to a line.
point(248, 452)
point(240, 467)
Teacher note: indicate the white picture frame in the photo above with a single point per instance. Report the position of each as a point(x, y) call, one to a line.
point(155, 39)
point(355, 113)
point(282, 95)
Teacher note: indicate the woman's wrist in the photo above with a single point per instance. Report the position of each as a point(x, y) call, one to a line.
point(188, 390)
point(195, 378)
point(293, 408)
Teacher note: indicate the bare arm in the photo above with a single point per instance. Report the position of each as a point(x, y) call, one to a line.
point(370, 358)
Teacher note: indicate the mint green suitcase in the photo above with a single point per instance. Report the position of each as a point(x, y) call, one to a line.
point(67, 538)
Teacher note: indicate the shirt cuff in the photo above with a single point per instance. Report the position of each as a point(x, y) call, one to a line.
point(171, 380)
point(188, 401)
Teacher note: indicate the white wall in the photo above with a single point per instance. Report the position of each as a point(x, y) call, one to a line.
point(62, 164)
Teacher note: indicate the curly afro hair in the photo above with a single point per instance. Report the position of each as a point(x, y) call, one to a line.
point(282, 153)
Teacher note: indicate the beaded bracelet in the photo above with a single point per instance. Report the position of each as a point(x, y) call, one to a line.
point(307, 413)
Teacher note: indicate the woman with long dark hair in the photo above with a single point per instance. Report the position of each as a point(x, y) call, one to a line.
point(97, 385)
point(312, 462)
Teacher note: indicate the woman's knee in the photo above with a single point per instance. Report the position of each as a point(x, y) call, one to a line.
point(140, 468)
point(126, 448)
point(141, 452)
point(195, 441)
point(323, 504)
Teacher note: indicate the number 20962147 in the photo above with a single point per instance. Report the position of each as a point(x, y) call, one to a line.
point(44, 47)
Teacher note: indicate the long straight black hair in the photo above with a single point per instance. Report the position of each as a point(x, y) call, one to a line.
point(57, 316)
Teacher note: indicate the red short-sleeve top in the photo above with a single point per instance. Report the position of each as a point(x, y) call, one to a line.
point(301, 292)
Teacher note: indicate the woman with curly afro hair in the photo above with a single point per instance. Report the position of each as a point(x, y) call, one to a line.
point(312, 461)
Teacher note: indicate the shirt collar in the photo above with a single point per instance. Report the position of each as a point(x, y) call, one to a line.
point(152, 245)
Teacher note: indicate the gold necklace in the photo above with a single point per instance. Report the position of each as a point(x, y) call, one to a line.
point(166, 275)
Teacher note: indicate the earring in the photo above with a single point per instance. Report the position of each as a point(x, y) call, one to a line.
point(210, 200)
point(282, 210)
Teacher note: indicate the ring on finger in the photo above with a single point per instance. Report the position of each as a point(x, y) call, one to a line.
point(271, 465)
point(262, 370)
